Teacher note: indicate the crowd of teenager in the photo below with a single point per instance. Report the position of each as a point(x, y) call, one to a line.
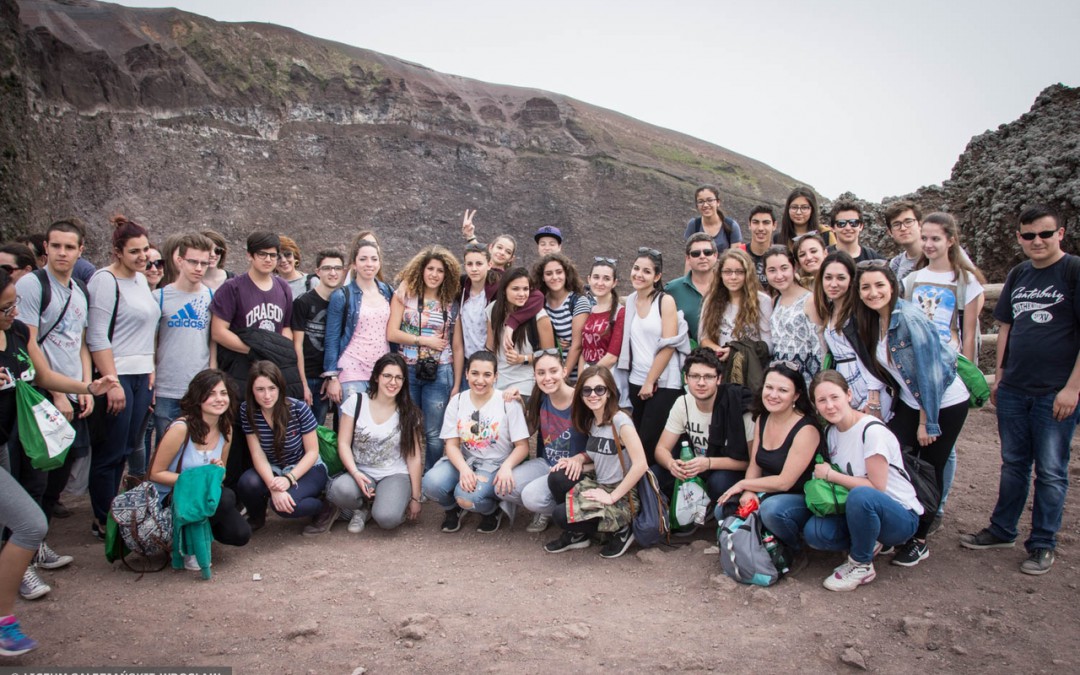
point(477, 384)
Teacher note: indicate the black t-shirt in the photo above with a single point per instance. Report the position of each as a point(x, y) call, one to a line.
point(309, 315)
point(1044, 317)
point(771, 461)
point(15, 361)
point(759, 267)
point(865, 253)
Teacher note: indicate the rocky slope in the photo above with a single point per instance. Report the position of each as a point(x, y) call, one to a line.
point(179, 122)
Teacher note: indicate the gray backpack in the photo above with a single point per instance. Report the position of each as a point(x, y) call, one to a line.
point(749, 553)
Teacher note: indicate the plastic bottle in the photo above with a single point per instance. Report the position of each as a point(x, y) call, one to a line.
point(685, 453)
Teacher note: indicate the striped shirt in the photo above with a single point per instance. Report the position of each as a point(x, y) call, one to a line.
point(301, 421)
point(562, 317)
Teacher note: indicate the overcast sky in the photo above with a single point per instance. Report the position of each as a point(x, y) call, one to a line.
point(845, 95)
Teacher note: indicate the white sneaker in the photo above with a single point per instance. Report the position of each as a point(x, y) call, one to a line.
point(356, 523)
point(192, 563)
point(32, 586)
point(850, 576)
point(539, 523)
point(48, 559)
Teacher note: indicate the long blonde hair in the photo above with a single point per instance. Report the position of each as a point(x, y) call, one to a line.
point(719, 297)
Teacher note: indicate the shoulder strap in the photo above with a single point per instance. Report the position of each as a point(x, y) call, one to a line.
point(873, 423)
point(46, 290)
point(46, 283)
point(345, 310)
point(161, 299)
point(356, 415)
point(116, 305)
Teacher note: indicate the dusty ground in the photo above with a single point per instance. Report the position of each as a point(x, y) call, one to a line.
point(500, 604)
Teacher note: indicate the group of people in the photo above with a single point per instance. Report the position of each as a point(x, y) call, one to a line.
point(769, 349)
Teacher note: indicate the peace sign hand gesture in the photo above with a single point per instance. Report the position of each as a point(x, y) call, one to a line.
point(468, 230)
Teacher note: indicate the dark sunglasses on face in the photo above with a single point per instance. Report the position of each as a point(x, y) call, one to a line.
point(598, 391)
point(1030, 236)
point(697, 253)
point(8, 268)
point(218, 251)
point(841, 224)
point(155, 265)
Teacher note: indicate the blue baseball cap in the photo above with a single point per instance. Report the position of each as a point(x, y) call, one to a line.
point(548, 231)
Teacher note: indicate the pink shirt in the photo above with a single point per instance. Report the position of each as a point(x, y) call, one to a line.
point(368, 340)
point(597, 340)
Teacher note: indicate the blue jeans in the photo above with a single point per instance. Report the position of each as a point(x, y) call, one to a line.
point(432, 396)
point(124, 435)
point(166, 410)
point(255, 496)
point(948, 474)
point(869, 517)
point(784, 515)
point(319, 406)
point(1030, 434)
point(441, 485)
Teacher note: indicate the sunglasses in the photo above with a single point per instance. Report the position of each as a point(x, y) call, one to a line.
point(8, 268)
point(155, 265)
point(872, 265)
point(218, 251)
point(842, 224)
point(1045, 234)
point(601, 259)
point(598, 391)
point(645, 250)
point(550, 351)
point(790, 365)
point(475, 248)
point(697, 253)
point(475, 428)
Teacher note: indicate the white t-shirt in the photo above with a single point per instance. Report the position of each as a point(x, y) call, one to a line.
point(847, 451)
point(601, 449)
point(939, 296)
point(519, 375)
point(954, 393)
point(376, 448)
point(474, 323)
point(685, 418)
point(487, 434)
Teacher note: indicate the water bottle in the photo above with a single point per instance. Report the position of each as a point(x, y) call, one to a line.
point(685, 453)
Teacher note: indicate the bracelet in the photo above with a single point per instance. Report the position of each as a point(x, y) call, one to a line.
point(88, 388)
point(828, 472)
point(415, 499)
point(470, 238)
point(875, 407)
point(292, 478)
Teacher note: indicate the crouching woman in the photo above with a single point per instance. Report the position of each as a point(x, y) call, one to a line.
point(881, 509)
point(202, 436)
point(379, 438)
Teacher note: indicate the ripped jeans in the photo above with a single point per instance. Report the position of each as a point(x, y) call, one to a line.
point(441, 485)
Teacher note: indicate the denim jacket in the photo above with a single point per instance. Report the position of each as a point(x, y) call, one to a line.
point(338, 337)
point(927, 366)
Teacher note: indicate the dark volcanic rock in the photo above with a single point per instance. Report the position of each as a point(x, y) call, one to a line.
point(178, 122)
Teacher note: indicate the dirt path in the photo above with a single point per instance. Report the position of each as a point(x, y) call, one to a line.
point(498, 603)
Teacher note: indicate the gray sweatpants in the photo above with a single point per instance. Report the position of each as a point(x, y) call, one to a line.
point(20, 514)
point(392, 496)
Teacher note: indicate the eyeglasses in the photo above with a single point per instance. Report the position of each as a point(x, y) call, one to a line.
point(645, 250)
point(598, 391)
point(475, 428)
point(392, 378)
point(903, 224)
point(218, 251)
point(197, 263)
point(701, 377)
point(851, 222)
point(710, 200)
point(266, 255)
point(790, 365)
point(872, 265)
point(288, 255)
point(1045, 234)
point(8, 268)
point(9, 310)
point(601, 259)
point(698, 252)
point(155, 265)
point(800, 207)
point(733, 273)
point(550, 351)
point(332, 268)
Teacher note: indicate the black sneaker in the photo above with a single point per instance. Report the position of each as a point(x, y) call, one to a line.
point(451, 522)
point(1039, 562)
point(256, 522)
point(911, 554)
point(618, 544)
point(935, 524)
point(568, 541)
point(490, 523)
point(984, 538)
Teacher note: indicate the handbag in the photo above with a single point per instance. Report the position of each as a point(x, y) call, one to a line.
point(825, 498)
point(922, 476)
point(143, 523)
point(328, 443)
point(651, 521)
point(45, 434)
point(974, 380)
